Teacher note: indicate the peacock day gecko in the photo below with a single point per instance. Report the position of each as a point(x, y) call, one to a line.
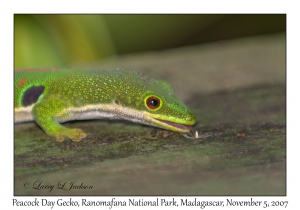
point(52, 96)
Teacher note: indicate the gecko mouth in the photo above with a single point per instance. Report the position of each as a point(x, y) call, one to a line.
point(179, 126)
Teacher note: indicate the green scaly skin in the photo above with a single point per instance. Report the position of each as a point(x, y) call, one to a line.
point(71, 94)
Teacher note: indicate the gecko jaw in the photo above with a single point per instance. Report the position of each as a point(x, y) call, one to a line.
point(181, 127)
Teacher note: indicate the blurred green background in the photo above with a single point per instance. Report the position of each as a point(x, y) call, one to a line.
point(65, 40)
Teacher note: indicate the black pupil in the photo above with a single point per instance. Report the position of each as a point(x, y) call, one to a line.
point(153, 102)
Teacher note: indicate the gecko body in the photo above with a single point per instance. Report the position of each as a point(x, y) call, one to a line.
point(53, 96)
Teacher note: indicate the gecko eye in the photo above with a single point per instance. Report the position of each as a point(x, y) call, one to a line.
point(153, 102)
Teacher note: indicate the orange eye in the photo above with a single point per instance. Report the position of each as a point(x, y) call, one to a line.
point(153, 102)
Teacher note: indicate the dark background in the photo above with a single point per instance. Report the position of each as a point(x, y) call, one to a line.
point(64, 40)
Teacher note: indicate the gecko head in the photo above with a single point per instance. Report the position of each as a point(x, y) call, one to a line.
point(152, 102)
point(168, 112)
point(162, 108)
